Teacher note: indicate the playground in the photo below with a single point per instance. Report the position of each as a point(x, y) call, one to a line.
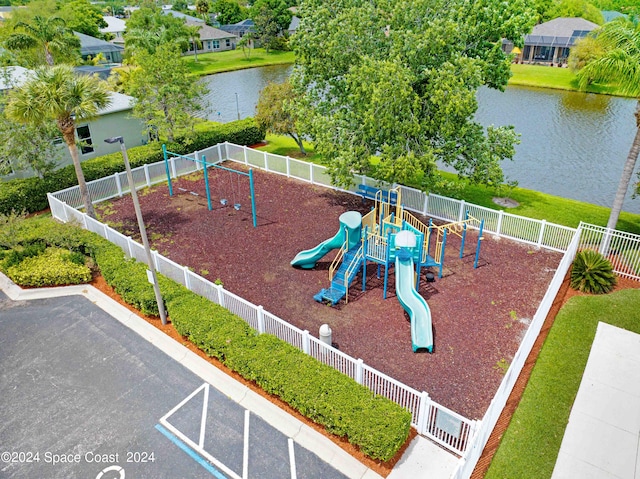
point(478, 315)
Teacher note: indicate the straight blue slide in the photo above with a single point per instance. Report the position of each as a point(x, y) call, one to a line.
point(413, 303)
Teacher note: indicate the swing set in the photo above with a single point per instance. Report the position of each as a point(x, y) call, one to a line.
point(224, 201)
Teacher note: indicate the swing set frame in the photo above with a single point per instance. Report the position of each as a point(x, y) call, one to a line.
point(203, 161)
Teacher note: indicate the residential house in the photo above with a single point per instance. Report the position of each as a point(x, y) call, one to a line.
point(115, 26)
point(114, 120)
point(213, 39)
point(91, 47)
point(550, 43)
point(239, 29)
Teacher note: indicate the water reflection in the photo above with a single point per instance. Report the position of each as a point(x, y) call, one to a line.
point(572, 144)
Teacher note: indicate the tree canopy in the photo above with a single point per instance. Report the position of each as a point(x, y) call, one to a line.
point(619, 64)
point(58, 94)
point(271, 19)
point(398, 80)
point(276, 114)
point(229, 11)
point(167, 97)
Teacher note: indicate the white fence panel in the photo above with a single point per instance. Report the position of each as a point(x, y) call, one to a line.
point(491, 217)
point(118, 239)
point(170, 269)
point(277, 164)
point(300, 169)
point(412, 199)
point(57, 208)
point(332, 357)
point(70, 196)
point(95, 226)
point(320, 176)
point(137, 251)
point(75, 215)
point(213, 154)
point(255, 158)
point(388, 387)
point(448, 428)
point(234, 152)
point(283, 330)
point(203, 287)
point(557, 237)
point(443, 208)
point(241, 307)
point(158, 173)
point(103, 188)
point(520, 228)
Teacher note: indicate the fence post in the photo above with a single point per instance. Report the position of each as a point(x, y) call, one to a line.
point(461, 212)
point(305, 341)
point(146, 174)
point(196, 156)
point(220, 152)
point(288, 167)
point(359, 370)
point(311, 172)
point(66, 215)
point(129, 243)
point(266, 161)
point(244, 150)
point(543, 224)
point(260, 319)
point(118, 184)
point(425, 209)
point(106, 230)
point(423, 413)
point(220, 295)
point(187, 278)
point(154, 253)
point(499, 226)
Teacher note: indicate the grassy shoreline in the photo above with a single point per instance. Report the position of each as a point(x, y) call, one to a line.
point(219, 62)
point(532, 204)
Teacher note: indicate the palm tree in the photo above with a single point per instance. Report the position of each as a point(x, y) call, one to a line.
point(620, 65)
point(194, 37)
point(50, 34)
point(57, 93)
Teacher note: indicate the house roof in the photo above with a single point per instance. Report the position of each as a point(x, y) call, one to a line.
point(119, 102)
point(114, 25)
point(559, 32)
point(240, 27)
point(12, 76)
point(293, 26)
point(188, 18)
point(211, 33)
point(609, 15)
point(91, 45)
point(16, 76)
point(563, 27)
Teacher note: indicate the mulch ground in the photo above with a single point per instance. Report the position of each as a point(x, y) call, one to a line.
point(479, 315)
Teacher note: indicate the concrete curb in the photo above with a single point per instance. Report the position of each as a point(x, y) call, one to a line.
point(304, 435)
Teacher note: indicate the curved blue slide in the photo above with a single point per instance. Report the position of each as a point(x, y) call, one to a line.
point(351, 220)
point(414, 304)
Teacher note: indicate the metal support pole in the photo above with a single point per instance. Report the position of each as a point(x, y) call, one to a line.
point(143, 231)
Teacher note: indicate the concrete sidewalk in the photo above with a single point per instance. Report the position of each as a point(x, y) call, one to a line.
point(602, 439)
point(422, 458)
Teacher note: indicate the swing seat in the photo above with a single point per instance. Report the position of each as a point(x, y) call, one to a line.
point(223, 202)
point(237, 206)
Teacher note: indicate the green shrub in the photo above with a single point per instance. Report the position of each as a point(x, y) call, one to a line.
point(30, 194)
point(375, 424)
point(592, 273)
point(50, 268)
point(15, 256)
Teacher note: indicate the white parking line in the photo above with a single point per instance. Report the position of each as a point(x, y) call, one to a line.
point(245, 455)
point(292, 459)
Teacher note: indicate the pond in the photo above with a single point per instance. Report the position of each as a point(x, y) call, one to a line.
point(573, 144)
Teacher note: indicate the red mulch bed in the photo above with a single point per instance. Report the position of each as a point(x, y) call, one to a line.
point(479, 315)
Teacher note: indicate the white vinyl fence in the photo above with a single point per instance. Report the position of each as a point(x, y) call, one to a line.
point(462, 436)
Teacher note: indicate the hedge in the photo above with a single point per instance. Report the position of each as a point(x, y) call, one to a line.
point(378, 426)
point(30, 194)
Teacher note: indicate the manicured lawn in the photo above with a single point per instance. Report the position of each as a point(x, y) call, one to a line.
point(217, 62)
point(531, 443)
point(533, 204)
point(552, 77)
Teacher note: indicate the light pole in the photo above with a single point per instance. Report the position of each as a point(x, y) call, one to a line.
point(143, 231)
point(237, 106)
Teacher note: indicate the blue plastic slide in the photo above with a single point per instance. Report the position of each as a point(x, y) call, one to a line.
point(351, 220)
point(414, 304)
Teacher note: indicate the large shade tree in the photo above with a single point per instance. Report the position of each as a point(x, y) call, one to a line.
point(620, 65)
point(276, 114)
point(47, 35)
point(398, 79)
point(57, 93)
